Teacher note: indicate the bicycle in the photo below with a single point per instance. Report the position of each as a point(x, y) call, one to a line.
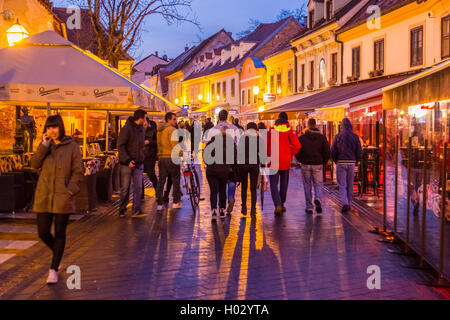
point(192, 184)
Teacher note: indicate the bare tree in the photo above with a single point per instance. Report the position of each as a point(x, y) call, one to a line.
point(118, 23)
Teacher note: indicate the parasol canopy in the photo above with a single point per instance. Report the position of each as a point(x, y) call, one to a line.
point(46, 68)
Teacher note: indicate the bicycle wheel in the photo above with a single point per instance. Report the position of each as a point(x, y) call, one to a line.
point(195, 195)
point(197, 182)
point(190, 190)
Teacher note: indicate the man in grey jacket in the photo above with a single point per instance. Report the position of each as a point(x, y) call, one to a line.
point(131, 143)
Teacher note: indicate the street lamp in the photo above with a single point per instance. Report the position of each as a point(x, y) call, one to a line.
point(177, 100)
point(16, 33)
point(255, 90)
point(200, 97)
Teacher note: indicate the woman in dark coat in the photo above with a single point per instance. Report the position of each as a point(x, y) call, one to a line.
point(59, 159)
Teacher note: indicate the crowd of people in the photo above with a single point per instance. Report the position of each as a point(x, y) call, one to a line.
point(231, 155)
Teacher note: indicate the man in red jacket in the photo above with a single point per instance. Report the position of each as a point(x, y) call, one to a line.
point(282, 145)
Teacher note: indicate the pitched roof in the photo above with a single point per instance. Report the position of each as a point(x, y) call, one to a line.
point(263, 33)
point(362, 15)
point(324, 22)
point(85, 37)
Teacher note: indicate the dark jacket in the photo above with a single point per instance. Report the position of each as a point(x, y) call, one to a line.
point(60, 176)
point(249, 149)
point(151, 149)
point(346, 145)
point(315, 148)
point(131, 143)
point(214, 164)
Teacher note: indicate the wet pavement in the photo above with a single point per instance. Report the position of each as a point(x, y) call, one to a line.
point(181, 255)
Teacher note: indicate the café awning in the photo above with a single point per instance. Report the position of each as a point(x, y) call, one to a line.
point(46, 68)
point(428, 86)
point(339, 96)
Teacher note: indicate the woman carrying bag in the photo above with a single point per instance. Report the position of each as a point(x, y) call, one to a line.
point(59, 159)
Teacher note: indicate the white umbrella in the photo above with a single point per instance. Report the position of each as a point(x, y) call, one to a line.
point(46, 68)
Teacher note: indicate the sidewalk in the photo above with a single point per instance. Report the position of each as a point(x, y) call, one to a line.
point(179, 255)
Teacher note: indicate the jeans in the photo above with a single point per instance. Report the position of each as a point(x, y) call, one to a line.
point(231, 190)
point(312, 177)
point(279, 193)
point(245, 171)
point(345, 174)
point(58, 242)
point(217, 182)
point(127, 175)
point(149, 169)
point(168, 169)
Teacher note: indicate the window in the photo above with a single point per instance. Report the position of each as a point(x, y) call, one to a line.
point(417, 46)
point(445, 37)
point(378, 54)
point(329, 8)
point(311, 18)
point(322, 74)
point(303, 76)
point(334, 66)
point(224, 90)
point(233, 88)
point(213, 92)
point(249, 97)
point(255, 98)
point(290, 79)
point(272, 84)
point(311, 74)
point(218, 91)
point(356, 62)
point(279, 83)
point(243, 97)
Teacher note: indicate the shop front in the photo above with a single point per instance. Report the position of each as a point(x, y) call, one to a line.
point(416, 202)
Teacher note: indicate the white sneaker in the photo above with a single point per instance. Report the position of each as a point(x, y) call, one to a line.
point(177, 205)
point(214, 215)
point(52, 277)
point(160, 207)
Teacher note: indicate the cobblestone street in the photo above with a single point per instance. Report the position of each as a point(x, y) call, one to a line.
point(179, 255)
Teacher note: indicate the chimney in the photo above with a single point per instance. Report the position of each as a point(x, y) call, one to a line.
point(186, 49)
point(156, 53)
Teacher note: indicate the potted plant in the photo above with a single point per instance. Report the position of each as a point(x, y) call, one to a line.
point(332, 81)
point(372, 74)
point(379, 72)
point(310, 86)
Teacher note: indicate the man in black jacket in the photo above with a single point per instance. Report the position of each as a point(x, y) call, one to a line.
point(151, 152)
point(131, 143)
point(314, 153)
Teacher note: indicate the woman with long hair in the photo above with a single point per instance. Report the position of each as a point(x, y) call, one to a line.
point(59, 159)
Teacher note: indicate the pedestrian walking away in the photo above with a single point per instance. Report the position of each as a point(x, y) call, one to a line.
point(218, 170)
point(346, 151)
point(282, 145)
point(235, 134)
point(313, 155)
point(151, 152)
point(167, 166)
point(59, 159)
point(249, 165)
point(131, 144)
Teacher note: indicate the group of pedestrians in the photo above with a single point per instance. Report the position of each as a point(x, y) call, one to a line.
point(142, 143)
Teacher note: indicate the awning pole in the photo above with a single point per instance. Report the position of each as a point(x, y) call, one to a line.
point(48, 109)
point(85, 133)
point(107, 132)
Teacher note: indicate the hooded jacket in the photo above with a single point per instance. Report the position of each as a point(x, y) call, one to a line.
point(286, 145)
point(60, 176)
point(131, 143)
point(315, 148)
point(346, 145)
point(165, 142)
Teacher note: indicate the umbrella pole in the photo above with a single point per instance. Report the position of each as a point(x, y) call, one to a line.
point(107, 132)
point(84, 133)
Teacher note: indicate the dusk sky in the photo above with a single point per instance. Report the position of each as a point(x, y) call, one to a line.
point(233, 15)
